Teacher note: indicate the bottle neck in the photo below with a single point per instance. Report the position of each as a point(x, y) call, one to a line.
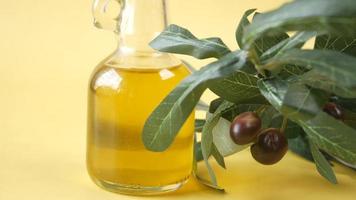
point(141, 21)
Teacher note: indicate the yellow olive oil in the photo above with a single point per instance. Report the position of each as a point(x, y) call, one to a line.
point(120, 101)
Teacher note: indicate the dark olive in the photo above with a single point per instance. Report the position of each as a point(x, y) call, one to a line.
point(245, 128)
point(334, 110)
point(270, 147)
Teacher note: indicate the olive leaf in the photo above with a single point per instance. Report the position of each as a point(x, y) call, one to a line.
point(347, 103)
point(198, 152)
point(350, 118)
point(289, 71)
point(167, 119)
point(239, 87)
point(242, 25)
point(222, 140)
point(337, 43)
point(295, 86)
point(237, 109)
point(218, 156)
point(300, 146)
point(189, 66)
point(301, 102)
point(214, 104)
point(296, 41)
point(201, 104)
point(332, 136)
point(317, 80)
point(207, 138)
point(295, 101)
point(266, 42)
point(331, 16)
point(262, 44)
point(323, 63)
point(199, 123)
point(322, 164)
point(175, 39)
point(197, 157)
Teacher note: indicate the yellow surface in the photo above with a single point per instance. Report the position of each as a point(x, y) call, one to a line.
point(48, 50)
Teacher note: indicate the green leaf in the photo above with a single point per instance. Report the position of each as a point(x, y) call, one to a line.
point(342, 44)
point(289, 71)
point(211, 121)
point(295, 101)
point(237, 109)
point(167, 119)
point(241, 27)
point(301, 102)
point(296, 41)
point(218, 156)
point(222, 140)
point(262, 44)
point(189, 66)
point(317, 80)
point(274, 90)
point(199, 123)
point(240, 87)
point(208, 183)
point(215, 152)
point(266, 42)
point(324, 64)
point(332, 136)
point(207, 138)
point(293, 130)
point(214, 104)
point(350, 118)
point(300, 146)
point(175, 39)
point(333, 16)
point(322, 164)
point(197, 157)
point(349, 104)
point(337, 43)
point(198, 152)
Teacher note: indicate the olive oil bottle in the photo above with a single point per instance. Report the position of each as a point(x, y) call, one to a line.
point(124, 89)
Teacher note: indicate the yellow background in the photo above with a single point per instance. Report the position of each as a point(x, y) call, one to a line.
point(48, 49)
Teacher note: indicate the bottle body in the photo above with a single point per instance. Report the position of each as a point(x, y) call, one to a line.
point(120, 101)
point(124, 90)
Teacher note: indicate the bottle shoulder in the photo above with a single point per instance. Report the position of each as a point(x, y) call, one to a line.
point(125, 59)
point(115, 78)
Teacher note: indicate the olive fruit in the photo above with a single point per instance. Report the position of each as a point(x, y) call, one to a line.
point(334, 110)
point(245, 128)
point(270, 147)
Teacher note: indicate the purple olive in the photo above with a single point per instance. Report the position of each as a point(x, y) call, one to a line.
point(334, 110)
point(271, 146)
point(245, 128)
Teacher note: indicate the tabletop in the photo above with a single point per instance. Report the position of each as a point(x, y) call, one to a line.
point(48, 50)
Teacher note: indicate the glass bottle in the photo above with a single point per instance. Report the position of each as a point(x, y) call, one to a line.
point(124, 89)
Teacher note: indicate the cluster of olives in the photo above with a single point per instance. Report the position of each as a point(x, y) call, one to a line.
point(269, 145)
